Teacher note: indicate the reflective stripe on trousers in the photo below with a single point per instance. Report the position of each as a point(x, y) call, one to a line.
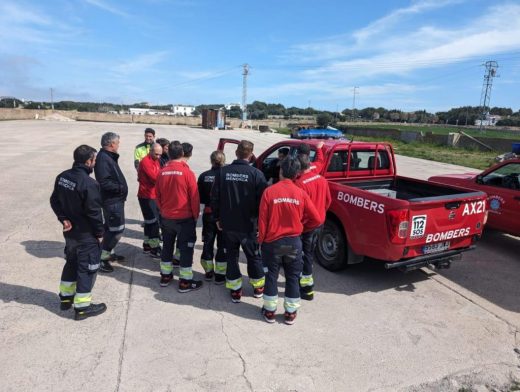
point(220, 268)
point(306, 280)
point(207, 265)
point(270, 302)
point(186, 273)
point(67, 289)
point(166, 267)
point(257, 283)
point(235, 284)
point(291, 305)
point(82, 300)
point(116, 228)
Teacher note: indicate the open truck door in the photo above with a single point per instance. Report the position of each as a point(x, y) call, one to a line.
point(228, 147)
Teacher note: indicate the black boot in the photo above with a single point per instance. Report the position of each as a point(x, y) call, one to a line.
point(307, 293)
point(90, 311)
point(66, 301)
point(106, 266)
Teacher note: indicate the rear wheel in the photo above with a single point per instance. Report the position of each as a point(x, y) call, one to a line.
point(332, 247)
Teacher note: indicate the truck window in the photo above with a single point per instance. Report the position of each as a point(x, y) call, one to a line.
point(507, 176)
point(359, 160)
point(364, 160)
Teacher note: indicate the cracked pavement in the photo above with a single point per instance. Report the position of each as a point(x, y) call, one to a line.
point(367, 329)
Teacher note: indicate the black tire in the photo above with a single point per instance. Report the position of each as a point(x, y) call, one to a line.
point(331, 250)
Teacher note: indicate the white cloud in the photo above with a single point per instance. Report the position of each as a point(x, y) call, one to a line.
point(429, 47)
point(107, 7)
point(383, 24)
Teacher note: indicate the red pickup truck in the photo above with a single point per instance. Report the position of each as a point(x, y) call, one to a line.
point(501, 182)
point(405, 223)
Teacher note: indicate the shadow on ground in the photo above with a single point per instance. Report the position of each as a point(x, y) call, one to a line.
point(30, 296)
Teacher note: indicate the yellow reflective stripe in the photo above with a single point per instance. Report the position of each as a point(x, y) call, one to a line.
point(291, 304)
point(177, 254)
point(207, 265)
point(234, 284)
point(186, 273)
point(154, 242)
point(270, 302)
point(306, 280)
point(105, 255)
point(257, 283)
point(220, 268)
point(67, 289)
point(82, 300)
point(166, 267)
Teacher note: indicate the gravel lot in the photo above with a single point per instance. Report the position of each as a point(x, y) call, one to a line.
point(367, 329)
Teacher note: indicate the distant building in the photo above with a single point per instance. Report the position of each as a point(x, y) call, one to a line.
point(489, 121)
point(230, 105)
point(183, 110)
point(139, 111)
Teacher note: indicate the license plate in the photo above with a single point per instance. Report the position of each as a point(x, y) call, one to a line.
point(434, 248)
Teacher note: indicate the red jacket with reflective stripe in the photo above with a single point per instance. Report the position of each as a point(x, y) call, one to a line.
point(318, 190)
point(285, 211)
point(319, 161)
point(177, 193)
point(147, 176)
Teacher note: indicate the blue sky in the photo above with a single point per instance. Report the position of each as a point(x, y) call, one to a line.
point(409, 55)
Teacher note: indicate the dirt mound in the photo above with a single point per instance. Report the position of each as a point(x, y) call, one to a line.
point(56, 117)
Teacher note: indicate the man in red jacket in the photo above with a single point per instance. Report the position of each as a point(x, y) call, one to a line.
point(319, 158)
point(285, 212)
point(147, 173)
point(318, 190)
point(179, 204)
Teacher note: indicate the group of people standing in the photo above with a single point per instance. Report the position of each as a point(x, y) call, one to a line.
point(276, 226)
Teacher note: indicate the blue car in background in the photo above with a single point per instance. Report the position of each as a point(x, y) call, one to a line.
point(316, 133)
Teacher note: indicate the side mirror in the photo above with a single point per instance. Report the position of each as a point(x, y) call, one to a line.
point(480, 179)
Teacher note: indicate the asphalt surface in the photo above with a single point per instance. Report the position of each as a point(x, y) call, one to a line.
point(368, 329)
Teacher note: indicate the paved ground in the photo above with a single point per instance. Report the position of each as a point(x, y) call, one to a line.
point(368, 328)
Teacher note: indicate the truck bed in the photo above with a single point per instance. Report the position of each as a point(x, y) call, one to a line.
point(409, 189)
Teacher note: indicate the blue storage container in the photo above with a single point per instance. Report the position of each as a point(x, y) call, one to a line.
point(516, 148)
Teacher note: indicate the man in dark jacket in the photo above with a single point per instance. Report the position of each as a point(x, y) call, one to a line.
point(210, 231)
point(114, 191)
point(235, 198)
point(76, 201)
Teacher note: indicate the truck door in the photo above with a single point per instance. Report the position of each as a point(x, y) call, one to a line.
point(503, 188)
point(228, 147)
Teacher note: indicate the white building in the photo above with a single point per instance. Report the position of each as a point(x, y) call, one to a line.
point(183, 110)
point(490, 120)
point(230, 105)
point(139, 111)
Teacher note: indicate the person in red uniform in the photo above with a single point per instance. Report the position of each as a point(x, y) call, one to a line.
point(319, 159)
point(285, 212)
point(179, 205)
point(318, 190)
point(147, 173)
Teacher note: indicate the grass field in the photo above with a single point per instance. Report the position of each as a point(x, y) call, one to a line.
point(490, 133)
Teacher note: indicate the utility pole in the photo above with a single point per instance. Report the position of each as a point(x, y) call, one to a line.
point(245, 73)
point(354, 101)
point(52, 99)
point(485, 95)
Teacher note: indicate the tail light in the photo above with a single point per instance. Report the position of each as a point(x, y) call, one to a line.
point(397, 225)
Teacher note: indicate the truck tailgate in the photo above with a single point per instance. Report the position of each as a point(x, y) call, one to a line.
point(438, 224)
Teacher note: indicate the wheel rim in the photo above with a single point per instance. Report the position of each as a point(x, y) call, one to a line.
point(329, 245)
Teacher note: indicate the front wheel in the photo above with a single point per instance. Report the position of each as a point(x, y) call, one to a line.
point(332, 247)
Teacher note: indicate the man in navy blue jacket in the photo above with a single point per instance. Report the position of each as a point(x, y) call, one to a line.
point(114, 191)
point(76, 201)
